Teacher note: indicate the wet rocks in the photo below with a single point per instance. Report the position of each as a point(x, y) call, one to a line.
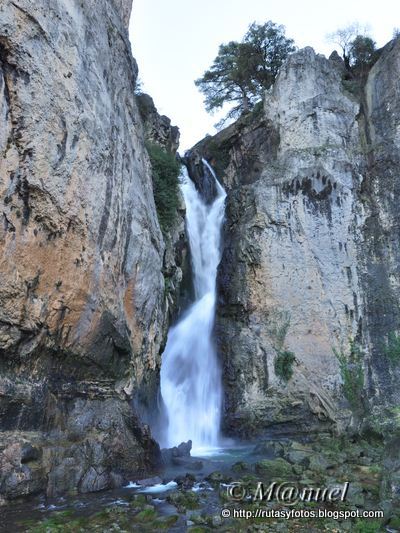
point(299, 454)
point(183, 450)
point(184, 500)
point(219, 477)
point(201, 176)
point(274, 469)
point(184, 507)
point(180, 456)
point(186, 482)
point(102, 454)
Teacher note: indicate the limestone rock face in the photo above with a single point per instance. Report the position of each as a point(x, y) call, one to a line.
point(82, 291)
point(176, 270)
point(379, 251)
point(306, 267)
point(124, 8)
point(158, 128)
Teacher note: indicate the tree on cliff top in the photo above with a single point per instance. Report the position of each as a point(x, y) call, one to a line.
point(344, 37)
point(362, 53)
point(358, 49)
point(243, 70)
point(229, 79)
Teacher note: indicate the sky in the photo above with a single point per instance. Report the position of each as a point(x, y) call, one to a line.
point(175, 41)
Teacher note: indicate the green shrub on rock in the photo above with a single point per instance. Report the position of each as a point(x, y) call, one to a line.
point(392, 348)
point(184, 500)
point(274, 469)
point(367, 526)
point(352, 371)
point(283, 364)
point(284, 359)
point(165, 173)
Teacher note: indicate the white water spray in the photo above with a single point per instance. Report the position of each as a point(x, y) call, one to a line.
point(190, 373)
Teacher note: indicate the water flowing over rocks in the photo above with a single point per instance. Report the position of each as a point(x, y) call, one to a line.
point(89, 285)
point(311, 250)
point(82, 301)
point(190, 381)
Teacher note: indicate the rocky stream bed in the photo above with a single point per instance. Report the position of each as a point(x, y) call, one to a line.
point(190, 493)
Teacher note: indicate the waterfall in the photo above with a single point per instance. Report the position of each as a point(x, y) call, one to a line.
point(190, 372)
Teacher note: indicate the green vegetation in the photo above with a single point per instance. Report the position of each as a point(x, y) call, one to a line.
point(130, 518)
point(324, 460)
point(362, 52)
point(353, 86)
point(367, 526)
point(394, 524)
point(184, 500)
point(392, 348)
point(283, 364)
point(284, 359)
point(243, 70)
point(359, 54)
point(358, 49)
point(165, 171)
point(257, 111)
point(274, 469)
point(352, 371)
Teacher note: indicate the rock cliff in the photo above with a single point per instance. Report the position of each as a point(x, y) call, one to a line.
point(310, 264)
point(158, 128)
point(176, 261)
point(82, 304)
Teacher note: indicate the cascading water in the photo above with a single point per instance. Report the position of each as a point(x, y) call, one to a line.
point(190, 373)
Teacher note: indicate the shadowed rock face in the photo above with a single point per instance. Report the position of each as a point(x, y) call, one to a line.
point(379, 250)
point(201, 176)
point(81, 292)
point(311, 244)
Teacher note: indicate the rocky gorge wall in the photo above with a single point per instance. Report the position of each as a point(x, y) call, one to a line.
point(176, 268)
point(82, 296)
point(89, 285)
point(310, 263)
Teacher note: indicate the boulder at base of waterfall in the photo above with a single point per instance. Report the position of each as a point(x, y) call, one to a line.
point(185, 482)
point(183, 450)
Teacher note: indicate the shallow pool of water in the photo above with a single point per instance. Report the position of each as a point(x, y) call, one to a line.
point(214, 459)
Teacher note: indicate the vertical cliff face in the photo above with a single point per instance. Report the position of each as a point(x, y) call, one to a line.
point(82, 291)
point(176, 270)
point(124, 8)
point(379, 250)
point(310, 261)
point(158, 128)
